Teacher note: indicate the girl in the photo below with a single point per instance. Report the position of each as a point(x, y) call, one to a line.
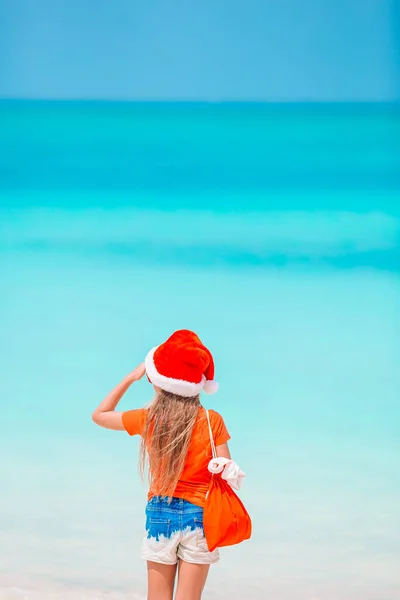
point(175, 438)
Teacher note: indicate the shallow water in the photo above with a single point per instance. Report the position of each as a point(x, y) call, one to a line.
point(296, 290)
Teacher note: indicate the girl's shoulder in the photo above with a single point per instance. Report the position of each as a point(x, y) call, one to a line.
point(215, 416)
point(219, 429)
point(134, 421)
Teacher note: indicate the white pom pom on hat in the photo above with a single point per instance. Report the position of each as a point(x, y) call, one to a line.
point(210, 386)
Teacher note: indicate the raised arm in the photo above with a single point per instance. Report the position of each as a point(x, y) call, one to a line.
point(105, 414)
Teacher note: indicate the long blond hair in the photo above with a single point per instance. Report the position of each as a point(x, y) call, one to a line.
point(165, 441)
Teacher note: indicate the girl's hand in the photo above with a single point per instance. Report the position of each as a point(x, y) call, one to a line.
point(137, 373)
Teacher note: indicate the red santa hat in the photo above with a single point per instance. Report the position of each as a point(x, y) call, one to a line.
point(182, 365)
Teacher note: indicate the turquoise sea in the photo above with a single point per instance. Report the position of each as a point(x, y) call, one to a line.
point(271, 230)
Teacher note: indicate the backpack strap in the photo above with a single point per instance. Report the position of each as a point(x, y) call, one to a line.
point(214, 452)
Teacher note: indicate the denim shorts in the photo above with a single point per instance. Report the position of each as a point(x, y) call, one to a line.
point(175, 531)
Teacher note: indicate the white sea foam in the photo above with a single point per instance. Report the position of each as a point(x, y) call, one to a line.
point(45, 589)
point(15, 593)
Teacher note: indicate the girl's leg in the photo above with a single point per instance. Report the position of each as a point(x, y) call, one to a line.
point(191, 581)
point(161, 581)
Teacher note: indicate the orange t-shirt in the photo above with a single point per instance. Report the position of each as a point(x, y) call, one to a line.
point(195, 478)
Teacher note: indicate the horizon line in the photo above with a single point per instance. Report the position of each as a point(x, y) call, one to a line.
point(366, 102)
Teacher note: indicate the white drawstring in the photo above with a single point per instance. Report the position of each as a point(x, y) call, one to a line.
point(231, 472)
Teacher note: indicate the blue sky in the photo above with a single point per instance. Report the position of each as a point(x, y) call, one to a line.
point(210, 50)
